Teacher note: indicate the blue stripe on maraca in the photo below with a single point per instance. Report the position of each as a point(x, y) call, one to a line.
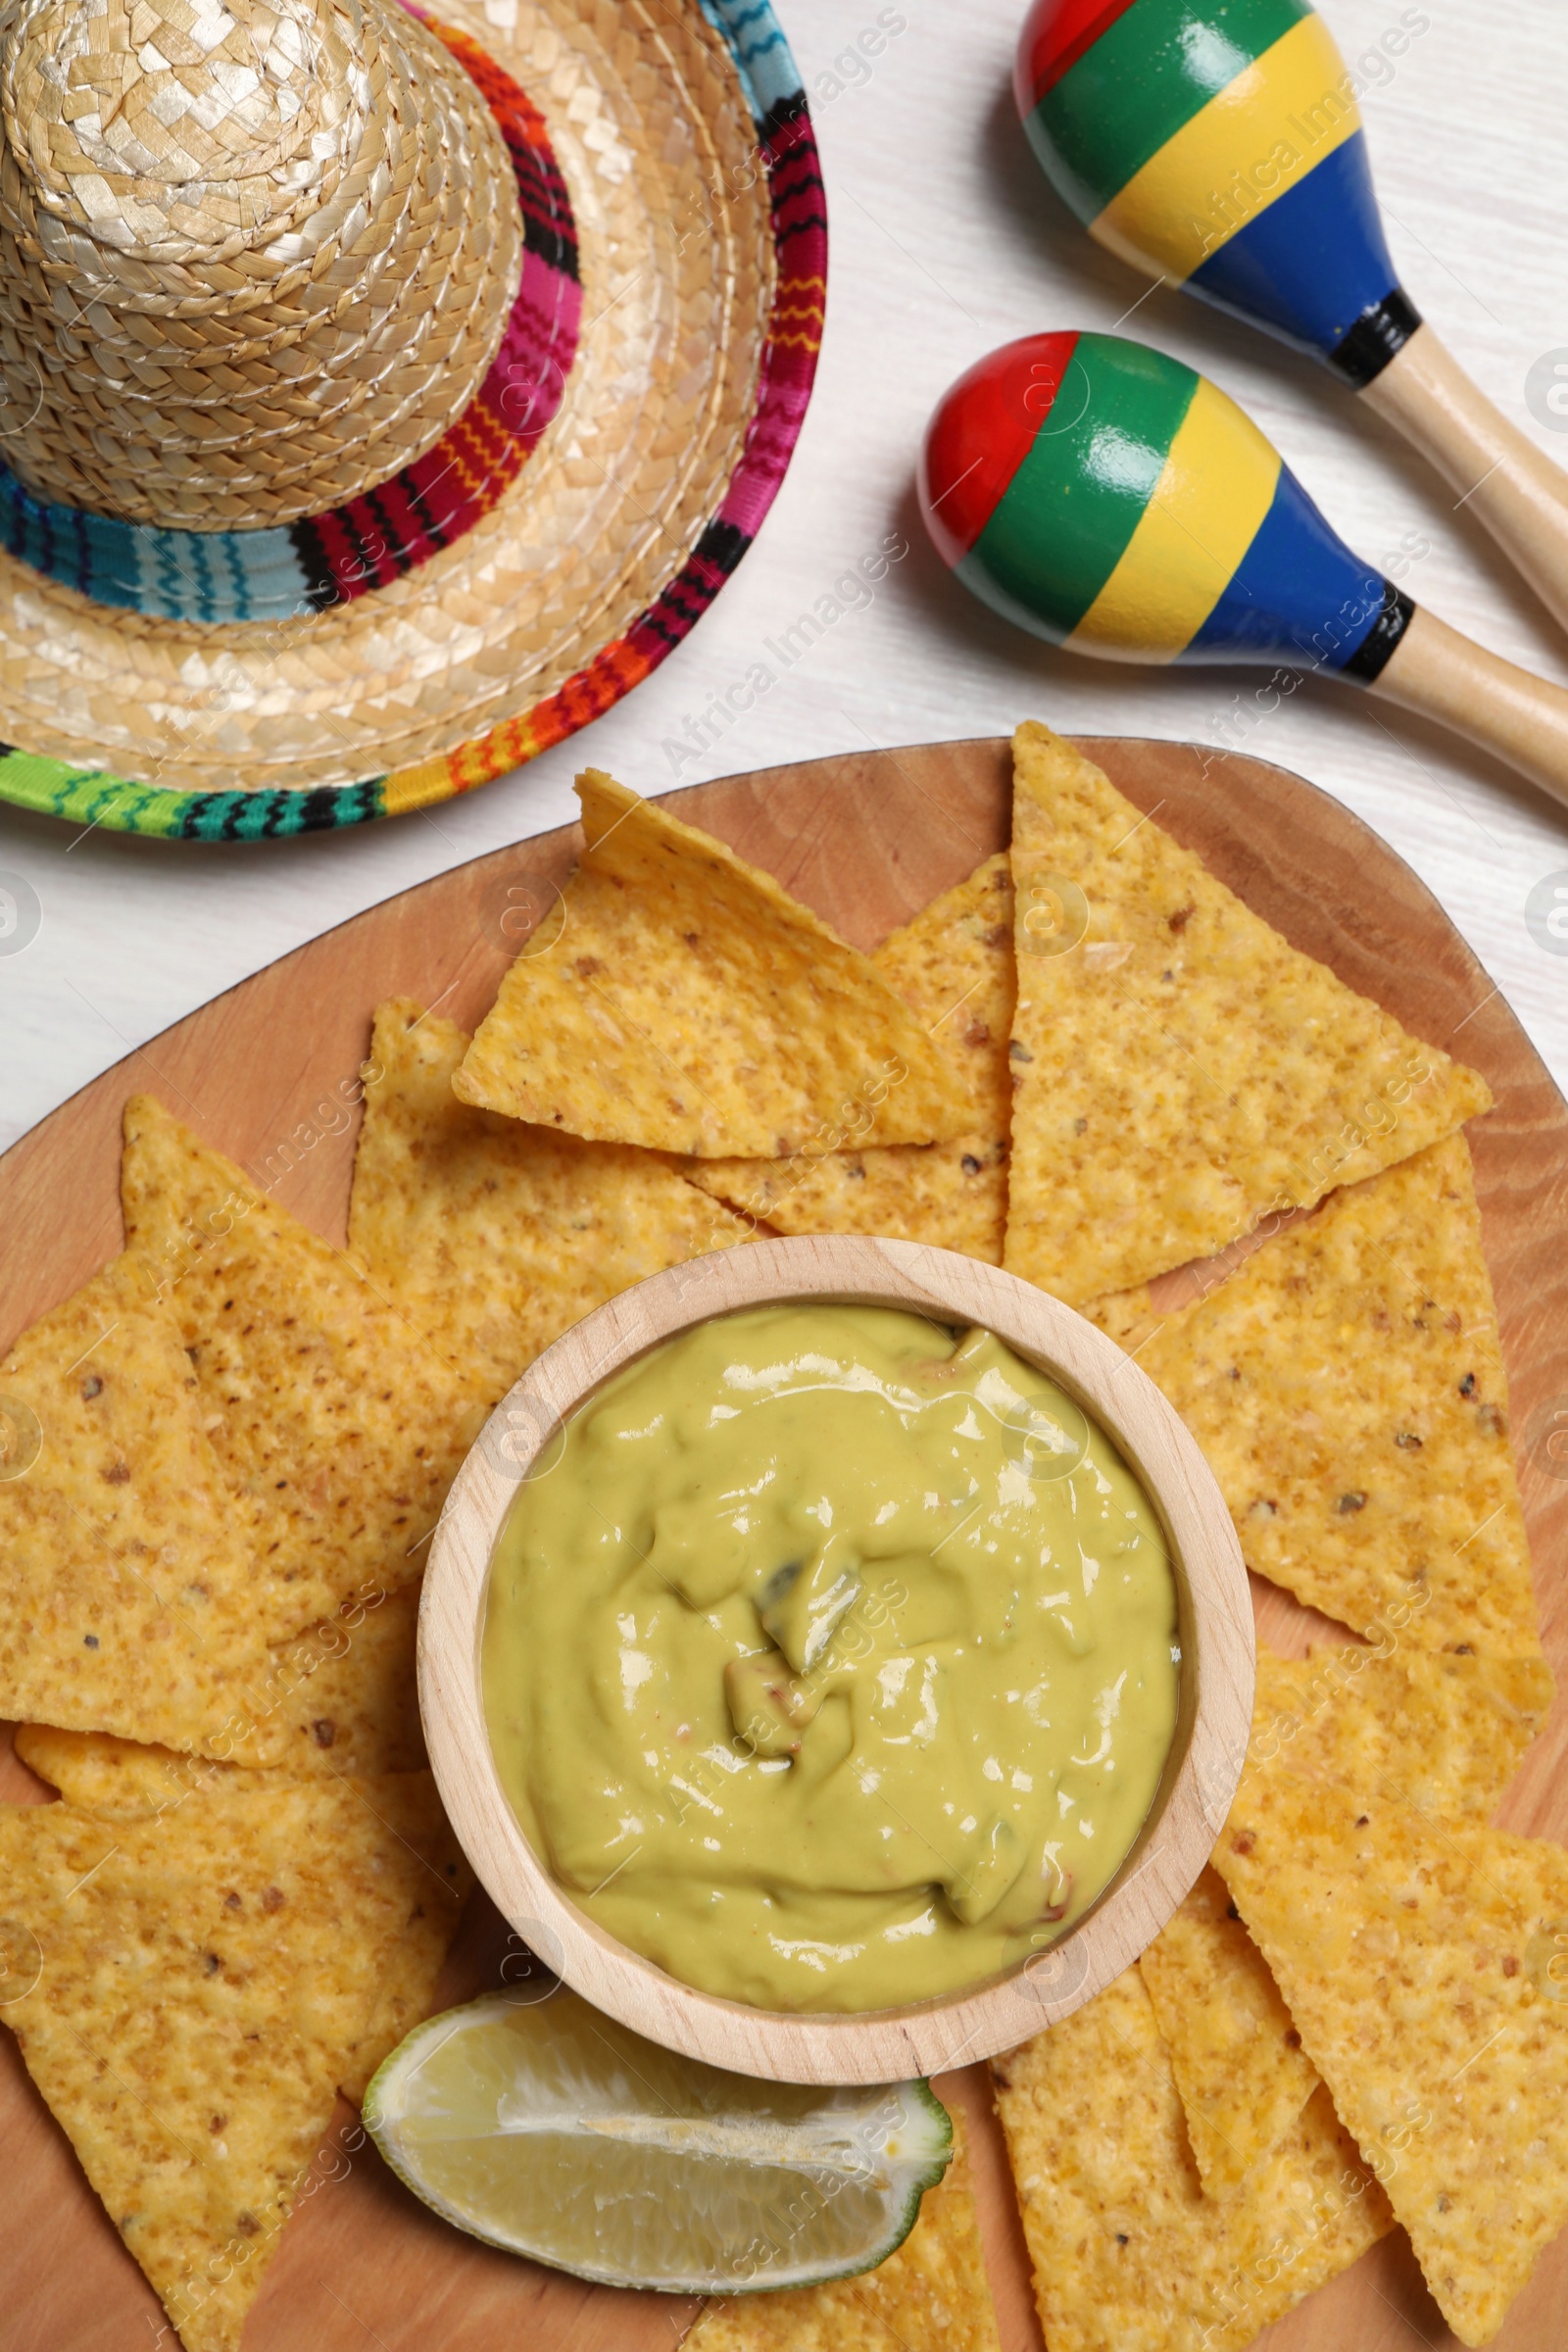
point(1101, 495)
point(1313, 262)
point(1217, 144)
point(1298, 595)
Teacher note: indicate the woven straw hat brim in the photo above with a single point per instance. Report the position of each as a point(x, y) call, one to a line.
point(648, 115)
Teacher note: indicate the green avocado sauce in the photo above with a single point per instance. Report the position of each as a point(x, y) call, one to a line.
point(830, 1661)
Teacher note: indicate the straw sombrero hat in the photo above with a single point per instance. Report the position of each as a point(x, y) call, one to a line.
point(384, 395)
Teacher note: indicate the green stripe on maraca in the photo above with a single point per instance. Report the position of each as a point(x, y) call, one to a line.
point(1146, 519)
point(1218, 145)
point(1068, 515)
point(1150, 73)
point(1260, 138)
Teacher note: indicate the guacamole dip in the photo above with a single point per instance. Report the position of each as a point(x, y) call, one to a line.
point(830, 1659)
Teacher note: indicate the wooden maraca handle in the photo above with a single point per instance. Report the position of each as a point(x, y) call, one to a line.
point(1501, 476)
point(1436, 672)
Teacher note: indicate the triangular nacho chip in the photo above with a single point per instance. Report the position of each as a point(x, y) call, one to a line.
point(686, 1003)
point(1129, 2255)
point(411, 1937)
point(1347, 1390)
point(117, 1781)
point(1416, 1957)
point(1179, 1068)
point(1445, 1733)
point(1233, 2050)
point(493, 1235)
point(344, 1693)
point(206, 1978)
point(954, 968)
point(98, 1773)
point(1129, 1317)
point(330, 1409)
point(126, 1563)
point(929, 2296)
point(347, 1690)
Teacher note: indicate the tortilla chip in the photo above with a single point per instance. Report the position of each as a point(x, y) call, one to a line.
point(1181, 1070)
point(953, 965)
point(951, 1196)
point(1128, 2253)
point(117, 1781)
point(687, 1004)
point(1415, 1956)
point(496, 1237)
point(98, 1773)
point(1446, 1734)
point(1128, 1317)
point(126, 1566)
point(405, 1810)
point(954, 968)
point(930, 2295)
point(347, 1690)
point(329, 1408)
point(1347, 1390)
point(206, 1978)
point(345, 1696)
point(1233, 2050)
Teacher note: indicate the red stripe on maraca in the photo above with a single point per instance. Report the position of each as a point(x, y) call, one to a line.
point(981, 433)
point(1055, 36)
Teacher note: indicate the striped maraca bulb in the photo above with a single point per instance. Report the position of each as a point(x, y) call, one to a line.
point(1217, 144)
point(1118, 502)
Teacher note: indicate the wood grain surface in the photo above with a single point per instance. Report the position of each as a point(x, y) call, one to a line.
point(866, 840)
point(1511, 486)
point(1440, 674)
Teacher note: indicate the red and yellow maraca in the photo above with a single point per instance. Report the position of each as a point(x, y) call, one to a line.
point(1217, 145)
point(1118, 502)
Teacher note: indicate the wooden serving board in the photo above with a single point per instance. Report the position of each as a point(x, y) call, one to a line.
point(268, 1072)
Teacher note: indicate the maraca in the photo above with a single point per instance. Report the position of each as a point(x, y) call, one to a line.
point(1217, 145)
point(1118, 502)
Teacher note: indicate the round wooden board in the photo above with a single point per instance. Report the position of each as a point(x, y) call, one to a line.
point(866, 840)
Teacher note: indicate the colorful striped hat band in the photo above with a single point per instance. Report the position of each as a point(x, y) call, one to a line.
point(286, 571)
point(1118, 502)
point(332, 317)
point(1217, 145)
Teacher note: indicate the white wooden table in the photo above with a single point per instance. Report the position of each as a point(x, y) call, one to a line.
point(945, 242)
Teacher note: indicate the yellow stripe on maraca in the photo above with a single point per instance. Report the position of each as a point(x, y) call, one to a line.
point(1214, 489)
point(1261, 134)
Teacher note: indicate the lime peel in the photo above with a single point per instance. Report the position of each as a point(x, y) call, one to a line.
point(551, 2130)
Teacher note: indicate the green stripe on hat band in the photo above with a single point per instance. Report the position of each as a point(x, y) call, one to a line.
point(1146, 76)
point(93, 796)
point(1074, 503)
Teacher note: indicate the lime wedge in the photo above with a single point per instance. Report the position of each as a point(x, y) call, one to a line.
point(549, 2130)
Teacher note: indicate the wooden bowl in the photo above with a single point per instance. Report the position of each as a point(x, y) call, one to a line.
point(1215, 1715)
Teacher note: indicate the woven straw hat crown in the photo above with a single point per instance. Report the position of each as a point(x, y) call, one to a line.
point(255, 255)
